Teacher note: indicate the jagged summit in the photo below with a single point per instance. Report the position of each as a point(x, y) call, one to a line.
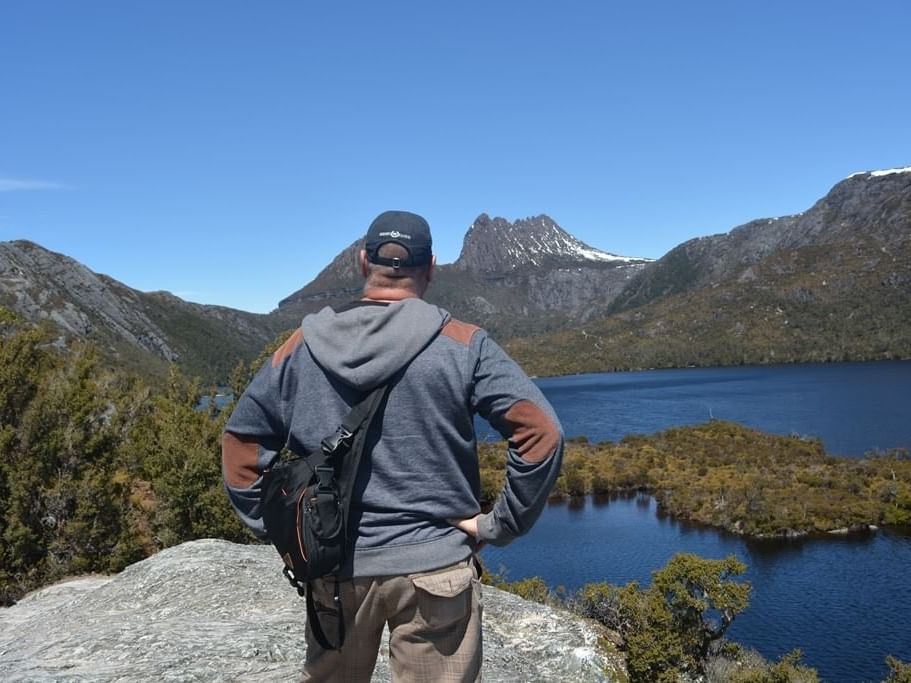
point(496, 245)
point(492, 246)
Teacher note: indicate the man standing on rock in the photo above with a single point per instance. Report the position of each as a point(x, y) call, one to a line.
point(415, 515)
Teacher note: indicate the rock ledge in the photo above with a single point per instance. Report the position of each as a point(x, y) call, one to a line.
point(211, 610)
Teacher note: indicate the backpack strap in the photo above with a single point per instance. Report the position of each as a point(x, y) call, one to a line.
point(317, 627)
point(362, 413)
point(344, 449)
point(342, 453)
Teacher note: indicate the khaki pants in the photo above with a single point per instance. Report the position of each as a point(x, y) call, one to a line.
point(434, 623)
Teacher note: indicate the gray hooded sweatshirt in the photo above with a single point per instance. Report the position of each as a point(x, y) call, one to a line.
point(420, 465)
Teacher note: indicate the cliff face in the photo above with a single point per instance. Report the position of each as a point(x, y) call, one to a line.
point(40, 284)
point(211, 611)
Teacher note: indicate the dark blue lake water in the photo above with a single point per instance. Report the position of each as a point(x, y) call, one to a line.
point(845, 601)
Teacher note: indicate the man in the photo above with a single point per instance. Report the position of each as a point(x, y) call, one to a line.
point(415, 514)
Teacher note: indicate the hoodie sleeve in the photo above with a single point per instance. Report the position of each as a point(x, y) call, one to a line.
point(255, 434)
point(504, 396)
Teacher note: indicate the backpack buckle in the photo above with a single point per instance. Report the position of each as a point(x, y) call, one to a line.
point(325, 476)
point(334, 442)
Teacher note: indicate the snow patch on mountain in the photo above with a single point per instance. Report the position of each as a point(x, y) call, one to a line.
point(887, 171)
point(596, 255)
point(495, 244)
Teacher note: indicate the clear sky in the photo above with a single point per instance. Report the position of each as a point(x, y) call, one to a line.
point(227, 150)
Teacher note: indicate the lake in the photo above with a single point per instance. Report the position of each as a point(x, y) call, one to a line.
point(844, 601)
point(852, 407)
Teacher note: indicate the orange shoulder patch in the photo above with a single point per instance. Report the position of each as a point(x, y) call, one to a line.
point(459, 331)
point(288, 347)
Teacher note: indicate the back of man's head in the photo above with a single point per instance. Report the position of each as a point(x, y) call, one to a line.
point(399, 227)
point(397, 257)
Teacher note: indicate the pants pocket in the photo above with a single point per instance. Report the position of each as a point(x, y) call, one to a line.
point(444, 598)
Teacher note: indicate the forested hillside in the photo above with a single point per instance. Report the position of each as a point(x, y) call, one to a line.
point(813, 304)
point(97, 470)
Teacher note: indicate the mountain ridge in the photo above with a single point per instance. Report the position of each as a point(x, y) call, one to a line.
point(870, 204)
point(494, 245)
point(832, 283)
point(528, 278)
point(142, 330)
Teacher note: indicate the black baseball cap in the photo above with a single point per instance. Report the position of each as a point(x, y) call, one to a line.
point(404, 228)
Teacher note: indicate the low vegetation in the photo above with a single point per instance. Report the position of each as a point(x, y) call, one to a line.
point(899, 671)
point(673, 630)
point(729, 476)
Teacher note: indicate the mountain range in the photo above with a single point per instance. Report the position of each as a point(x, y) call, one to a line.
point(831, 283)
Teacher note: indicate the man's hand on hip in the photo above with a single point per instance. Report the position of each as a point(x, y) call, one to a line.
point(469, 526)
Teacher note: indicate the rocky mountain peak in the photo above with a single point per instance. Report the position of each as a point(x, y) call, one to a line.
point(881, 173)
point(494, 245)
point(866, 205)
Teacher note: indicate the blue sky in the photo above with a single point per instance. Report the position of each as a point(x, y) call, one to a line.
point(226, 151)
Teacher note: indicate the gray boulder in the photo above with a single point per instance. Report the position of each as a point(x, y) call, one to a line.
point(211, 610)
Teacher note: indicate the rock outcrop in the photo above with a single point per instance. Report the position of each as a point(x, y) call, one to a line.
point(212, 610)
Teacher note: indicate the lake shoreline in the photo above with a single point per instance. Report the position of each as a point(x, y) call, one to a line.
point(859, 531)
point(724, 366)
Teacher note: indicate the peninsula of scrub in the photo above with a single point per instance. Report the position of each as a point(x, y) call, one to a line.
point(725, 475)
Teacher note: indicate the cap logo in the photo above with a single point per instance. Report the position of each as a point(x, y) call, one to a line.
point(395, 234)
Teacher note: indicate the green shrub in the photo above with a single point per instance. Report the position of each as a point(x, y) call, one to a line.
point(899, 671)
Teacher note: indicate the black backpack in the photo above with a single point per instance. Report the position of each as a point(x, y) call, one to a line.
point(305, 503)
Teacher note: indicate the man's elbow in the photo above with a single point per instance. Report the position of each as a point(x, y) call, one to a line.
point(240, 460)
point(535, 434)
point(545, 446)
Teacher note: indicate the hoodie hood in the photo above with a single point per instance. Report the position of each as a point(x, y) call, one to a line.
point(364, 345)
